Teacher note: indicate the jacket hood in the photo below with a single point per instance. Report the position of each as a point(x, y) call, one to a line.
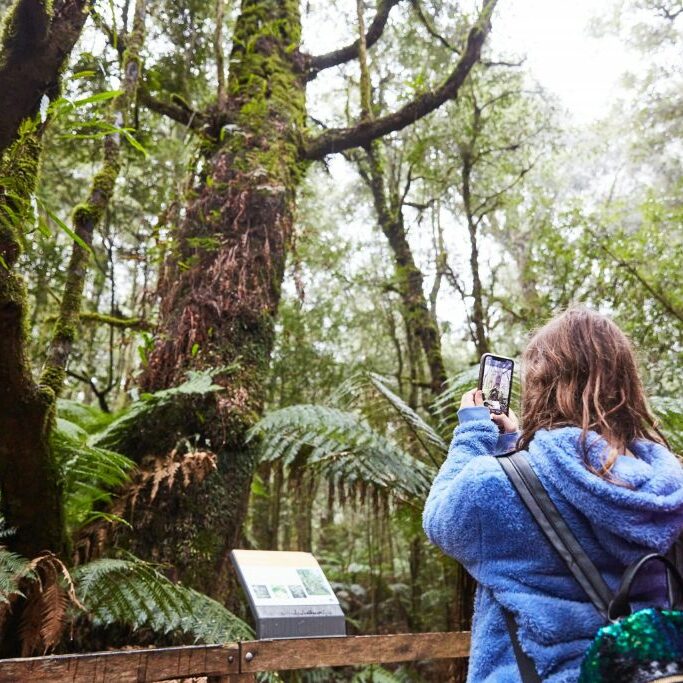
point(642, 505)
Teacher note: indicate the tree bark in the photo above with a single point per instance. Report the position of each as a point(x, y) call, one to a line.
point(30, 487)
point(420, 323)
point(87, 216)
point(479, 332)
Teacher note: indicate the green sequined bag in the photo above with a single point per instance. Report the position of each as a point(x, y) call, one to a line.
point(640, 647)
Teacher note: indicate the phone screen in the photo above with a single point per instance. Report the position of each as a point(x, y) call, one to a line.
point(495, 381)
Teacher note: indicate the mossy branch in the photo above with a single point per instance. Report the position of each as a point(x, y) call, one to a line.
point(30, 487)
point(111, 320)
point(87, 215)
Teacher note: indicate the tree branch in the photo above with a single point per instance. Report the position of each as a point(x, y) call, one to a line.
point(339, 139)
point(87, 216)
point(668, 305)
point(111, 320)
point(178, 110)
point(430, 27)
point(317, 63)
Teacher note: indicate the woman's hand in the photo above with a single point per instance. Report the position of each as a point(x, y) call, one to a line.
point(474, 397)
point(506, 423)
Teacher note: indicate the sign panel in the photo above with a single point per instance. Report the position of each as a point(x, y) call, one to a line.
point(288, 594)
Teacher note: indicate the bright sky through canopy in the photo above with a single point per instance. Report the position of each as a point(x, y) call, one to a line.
point(582, 70)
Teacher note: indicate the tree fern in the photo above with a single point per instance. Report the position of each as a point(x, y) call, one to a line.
point(343, 446)
point(135, 593)
point(393, 408)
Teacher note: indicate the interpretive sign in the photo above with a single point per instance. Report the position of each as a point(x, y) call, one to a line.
point(288, 594)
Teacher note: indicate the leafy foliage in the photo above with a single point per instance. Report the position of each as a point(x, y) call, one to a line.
point(670, 412)
point(386, 405)
point(87, 417)
point(13, 568)
point(343, 447)
point(158, 406)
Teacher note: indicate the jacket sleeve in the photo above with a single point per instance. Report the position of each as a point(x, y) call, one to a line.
point(450, 518)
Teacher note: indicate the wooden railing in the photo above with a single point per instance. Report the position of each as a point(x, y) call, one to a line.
point(234, 662)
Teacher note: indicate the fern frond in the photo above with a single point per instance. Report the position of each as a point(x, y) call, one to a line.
point(372, 394)
point(419, 426)
point(211, 622)
point(49, 594)
point(343, 446)
point(133, 592)
point(87, 417)
point(13, 568)
point(89, 473)
point(445, 406)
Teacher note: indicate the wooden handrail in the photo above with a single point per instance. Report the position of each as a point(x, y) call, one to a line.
point(234, 661)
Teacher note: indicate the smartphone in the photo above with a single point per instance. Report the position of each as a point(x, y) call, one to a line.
point(495, 381)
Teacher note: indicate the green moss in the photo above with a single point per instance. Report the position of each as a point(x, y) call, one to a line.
point(265, 82)
point(20, 167)
point(105, 179)
point(46, 397)
point(12, 289)
point(84, 212)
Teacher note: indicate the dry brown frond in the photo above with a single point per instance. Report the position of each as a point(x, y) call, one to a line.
point(194, 466)
point(48, 596)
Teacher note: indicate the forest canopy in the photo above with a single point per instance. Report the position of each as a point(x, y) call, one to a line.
point(250, 255)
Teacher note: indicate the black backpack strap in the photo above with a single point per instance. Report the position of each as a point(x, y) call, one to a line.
point(527, 669)
point(548, 517)
point(675, 555)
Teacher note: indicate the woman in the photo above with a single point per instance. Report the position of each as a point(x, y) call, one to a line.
point(592, 440)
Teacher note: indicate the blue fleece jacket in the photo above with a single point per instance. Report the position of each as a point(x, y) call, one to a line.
point(473, 514)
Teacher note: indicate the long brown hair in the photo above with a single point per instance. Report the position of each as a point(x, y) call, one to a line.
point(580, 370)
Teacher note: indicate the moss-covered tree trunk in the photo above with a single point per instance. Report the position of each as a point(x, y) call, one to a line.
point(36, 39)
point(30, 487)
point(222, 286)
